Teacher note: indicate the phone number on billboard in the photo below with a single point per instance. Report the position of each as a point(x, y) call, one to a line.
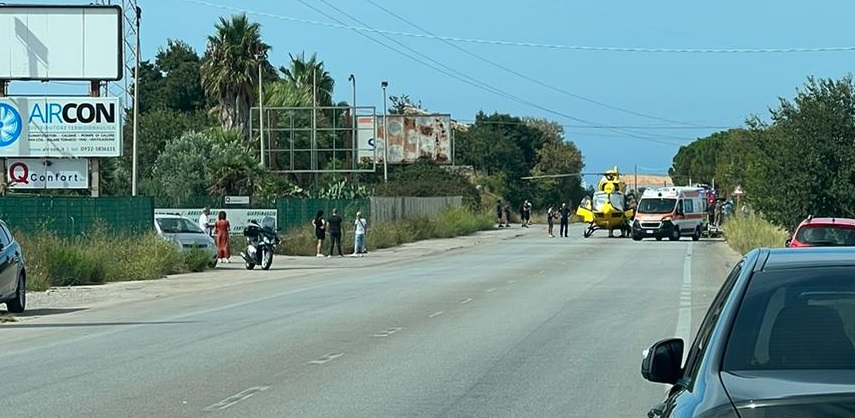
point(96, 149)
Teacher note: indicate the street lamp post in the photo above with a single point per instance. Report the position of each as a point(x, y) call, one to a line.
point(354, 144)
point(383, 85)
point(135, 168)
point(258, 58)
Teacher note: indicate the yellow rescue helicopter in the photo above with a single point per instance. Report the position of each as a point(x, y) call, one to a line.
point(609, 208)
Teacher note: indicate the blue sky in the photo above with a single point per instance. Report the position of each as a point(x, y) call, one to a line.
point(697, 93)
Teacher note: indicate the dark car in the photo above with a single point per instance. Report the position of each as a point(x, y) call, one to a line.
point(13, 276)
point(815, 232)
point(777, 341)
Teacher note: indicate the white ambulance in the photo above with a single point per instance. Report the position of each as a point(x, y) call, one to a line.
point(671, 212)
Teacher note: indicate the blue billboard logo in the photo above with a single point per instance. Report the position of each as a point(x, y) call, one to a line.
point(10, 125)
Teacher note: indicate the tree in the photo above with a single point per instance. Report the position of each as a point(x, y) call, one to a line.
point(303, 74)
point(804, 162)
point(181, 170)
point(400, 104)
point(229, 70)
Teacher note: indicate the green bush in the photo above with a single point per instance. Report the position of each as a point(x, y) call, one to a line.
point(101, 257)
point(745, 233)
point(449, 223)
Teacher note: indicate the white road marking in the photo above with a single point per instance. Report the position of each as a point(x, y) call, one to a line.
point(541, 272)
point(387, 332)
point(435, 314)
point(511, 281)
point(491, 290)
point(231, 400)
point(327, 358)
point(464, 301)
point(684, 316)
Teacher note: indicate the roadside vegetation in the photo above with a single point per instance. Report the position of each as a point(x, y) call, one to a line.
point(745, 233)
point(449, 223)
point(796, 164)
point(101, 257)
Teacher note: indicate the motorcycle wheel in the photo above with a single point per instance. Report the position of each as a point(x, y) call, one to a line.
point(266, 259)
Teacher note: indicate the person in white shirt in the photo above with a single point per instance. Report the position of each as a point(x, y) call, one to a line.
point(203, 221)
point(359, 235)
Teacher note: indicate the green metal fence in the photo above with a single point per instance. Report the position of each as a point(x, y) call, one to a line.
point(68, 216)
point(298, 213)
point(199, 202)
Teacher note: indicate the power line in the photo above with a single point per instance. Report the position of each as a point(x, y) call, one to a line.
point(539, 45)
point(523, 76)
point(481, 85)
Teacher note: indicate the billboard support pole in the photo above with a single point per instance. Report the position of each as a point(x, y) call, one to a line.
point(95, 187)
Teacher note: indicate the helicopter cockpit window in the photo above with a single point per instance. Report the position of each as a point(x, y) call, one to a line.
point(600, 200)
point(617, 201)
point(656, 205)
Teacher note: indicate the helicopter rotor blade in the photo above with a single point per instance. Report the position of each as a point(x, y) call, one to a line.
point(543, 176)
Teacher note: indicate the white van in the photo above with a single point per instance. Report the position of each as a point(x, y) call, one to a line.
point(671, 212)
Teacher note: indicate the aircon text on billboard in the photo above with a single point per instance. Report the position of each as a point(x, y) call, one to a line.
point(60, 127)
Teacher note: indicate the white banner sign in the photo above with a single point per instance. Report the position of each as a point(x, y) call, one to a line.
point(238, 218)
point(38, 173)
point(60, 127)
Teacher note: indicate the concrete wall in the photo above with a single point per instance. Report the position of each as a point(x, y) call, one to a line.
point(385, 209)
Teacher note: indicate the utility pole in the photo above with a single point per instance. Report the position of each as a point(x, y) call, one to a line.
point(314, 156)
point(354, 142)
point(260, 109)
point(636, 178)
point(383, 85)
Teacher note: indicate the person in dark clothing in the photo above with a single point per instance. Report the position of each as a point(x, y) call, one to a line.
point(320, 224)
point(334, 228)
point(499, 212)
point(507, 216)
point(564, 213)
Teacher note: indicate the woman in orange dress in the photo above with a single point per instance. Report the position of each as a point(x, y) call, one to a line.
point(222, 228)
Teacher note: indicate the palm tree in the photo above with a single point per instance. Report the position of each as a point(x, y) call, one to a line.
point(230, 70)
point(304, 74)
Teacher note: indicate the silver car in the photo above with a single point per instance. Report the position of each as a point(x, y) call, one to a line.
point(186, 234)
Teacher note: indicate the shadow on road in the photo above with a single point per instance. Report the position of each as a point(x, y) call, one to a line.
point(94, 324)
point(48, 311)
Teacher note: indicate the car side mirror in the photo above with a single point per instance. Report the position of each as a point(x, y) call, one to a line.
point(662, 361)
point(788, 242)
point(680, 211)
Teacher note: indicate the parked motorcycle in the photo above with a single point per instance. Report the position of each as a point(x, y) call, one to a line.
point(261, 242)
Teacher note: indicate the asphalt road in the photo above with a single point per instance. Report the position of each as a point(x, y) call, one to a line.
point(529, 327)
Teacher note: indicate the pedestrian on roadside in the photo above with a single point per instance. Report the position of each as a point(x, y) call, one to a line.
point(320, 233)
point(359, 235)
point(203, 221)
point(564, 213)
point(222, 227)
point(334, 227)
point(507, 216)
point(550, 219)
point(499, 212)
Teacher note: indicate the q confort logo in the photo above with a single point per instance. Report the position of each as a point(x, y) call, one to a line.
point(10, 125)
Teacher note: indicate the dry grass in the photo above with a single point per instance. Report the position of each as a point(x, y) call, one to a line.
point(449, 223)
point(745, 233)
point(100, 257)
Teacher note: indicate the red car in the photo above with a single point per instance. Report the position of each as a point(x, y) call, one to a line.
point(815, 232)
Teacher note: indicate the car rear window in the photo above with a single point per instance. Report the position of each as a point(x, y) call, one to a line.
point(836, 235)
point(797, 319)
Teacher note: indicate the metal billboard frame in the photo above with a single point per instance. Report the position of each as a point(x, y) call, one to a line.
point(270, 147)
point(17, 16)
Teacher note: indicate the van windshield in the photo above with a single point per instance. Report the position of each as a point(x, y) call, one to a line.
point(656, 205)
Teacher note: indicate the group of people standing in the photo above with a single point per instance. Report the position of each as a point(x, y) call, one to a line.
point(333, 226)
point(561, 213)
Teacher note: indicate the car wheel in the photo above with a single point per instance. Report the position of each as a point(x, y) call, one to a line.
point(637, 238)
point(675, 233)
point(697, 235)
point(18, 304)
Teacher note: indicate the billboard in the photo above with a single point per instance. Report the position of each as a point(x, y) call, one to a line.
point(410, 137)
point(60, 127)
point(238, 218)
point(61, 42)
point(39, 173)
